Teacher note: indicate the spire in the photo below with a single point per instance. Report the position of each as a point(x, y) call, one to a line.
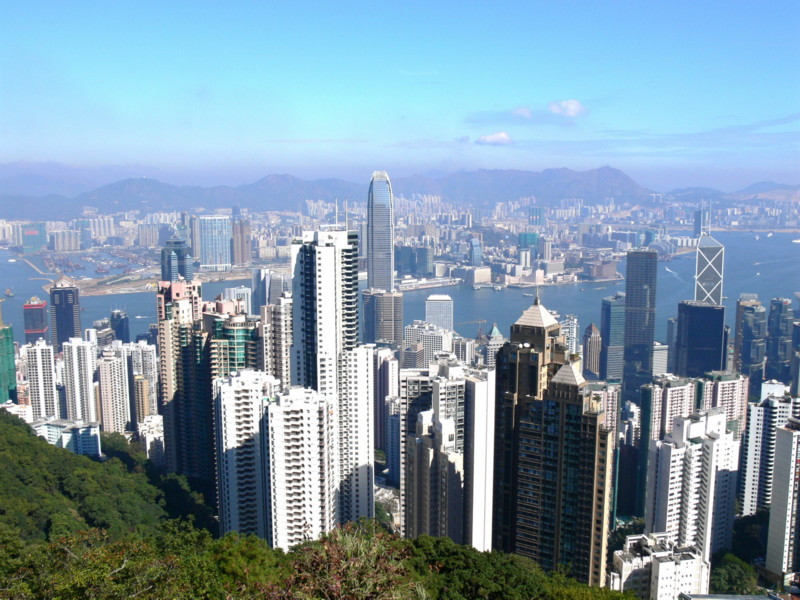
point(1, 312)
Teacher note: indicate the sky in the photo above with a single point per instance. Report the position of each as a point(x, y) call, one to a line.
point(674, 93)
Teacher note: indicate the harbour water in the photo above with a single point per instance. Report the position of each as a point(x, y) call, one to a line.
point(769, 267)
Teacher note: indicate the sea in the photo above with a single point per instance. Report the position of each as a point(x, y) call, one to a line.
point(754, 263)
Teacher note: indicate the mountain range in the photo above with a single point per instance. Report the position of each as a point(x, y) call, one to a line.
point(28, 197)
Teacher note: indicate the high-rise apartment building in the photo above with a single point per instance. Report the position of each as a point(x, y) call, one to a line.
point(691, 483)
point(449, 468)
point(439, 310)
point(325, 315)
point(40, 371)
point(640, 320)
point(302, 476)
point(80, 363)
point(709, 270)
point(115, 403)
point(612, 337)
point(592, 347)
point(380, 233)
point(241, 235)
point(356, 434)
point(325, 357)
point(183, 375)
point(383, 316)
point(215, 242)
point(275, 336)
point(701, 340)
point(176, 260)
point(783, 537)
point(242, 461)
point(758, 450)
point(65, 312)
point(386, 378)
point(750, 346)
point(36, 320)
point(779, 340)
point(552, 453)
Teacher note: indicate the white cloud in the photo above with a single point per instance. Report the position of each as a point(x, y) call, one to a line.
point(522, 111)
point(566, 108)
point(501, 138)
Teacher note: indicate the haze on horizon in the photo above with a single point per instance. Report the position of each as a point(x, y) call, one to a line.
point(673, 93)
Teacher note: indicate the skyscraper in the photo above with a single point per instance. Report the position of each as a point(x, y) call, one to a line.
point(380, 233)
point(80, 363)
point(268, 286)
point(275, 335)
point(242, 253)
point(783, 538)
point(121, 325)
point(40, 371)
point(640, 321)
point(300, 423)
point(325, 315)
point(550, 435)
point(242, 462)
point(215, 242)
point(325, 357)
point(708, 273)
point(701, 342)
point(691, 483)
point(592, 346)
point(439, 310)
point(612, 337)
point(383, 316)
point(758, 450)
point(750, 347)
point(176, 260)
point(36, 320)
point(449, 458)
point(8, 370)
point(779, 340)
point(115, 404)
point(65, 312)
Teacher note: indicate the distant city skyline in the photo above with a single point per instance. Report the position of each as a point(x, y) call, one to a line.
point(674, 94)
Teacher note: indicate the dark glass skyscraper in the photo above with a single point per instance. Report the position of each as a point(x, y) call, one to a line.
point(640, 321)
point(65, 312)
point(750, 347)
point(380, 233)
point(701, 341)
point(121, 325)
point(612, 335)
point(779, 340)
point(176, 260)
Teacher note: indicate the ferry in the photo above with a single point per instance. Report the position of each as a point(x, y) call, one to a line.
point(797, 241)
point(12, 260)
point(9, 293)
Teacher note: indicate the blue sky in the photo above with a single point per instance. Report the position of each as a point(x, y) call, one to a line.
point(674, 93)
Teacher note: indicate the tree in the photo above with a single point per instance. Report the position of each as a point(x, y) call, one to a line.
point(732, 575)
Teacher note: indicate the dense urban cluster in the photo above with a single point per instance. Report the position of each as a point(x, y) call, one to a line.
point(275, 399)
